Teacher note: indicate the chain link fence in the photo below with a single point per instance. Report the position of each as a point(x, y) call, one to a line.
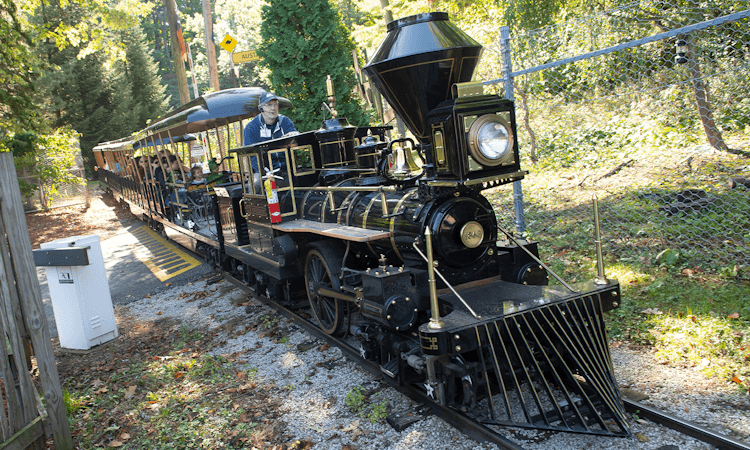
point(646, 107)
point(66, 194)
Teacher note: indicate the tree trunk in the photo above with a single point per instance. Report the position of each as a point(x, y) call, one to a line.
point(164, 36)
point(157, 36)
point(705, 110)
point(388, 16)
point(527, 124)
point(179, 66)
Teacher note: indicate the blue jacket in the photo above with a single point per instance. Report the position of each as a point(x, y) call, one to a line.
point(257, 131)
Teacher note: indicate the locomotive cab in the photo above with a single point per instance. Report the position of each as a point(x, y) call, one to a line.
point(289, 161)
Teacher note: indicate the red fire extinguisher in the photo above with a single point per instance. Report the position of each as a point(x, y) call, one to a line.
point(272, 196)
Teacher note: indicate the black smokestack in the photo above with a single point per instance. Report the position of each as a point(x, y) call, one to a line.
point(419, 60)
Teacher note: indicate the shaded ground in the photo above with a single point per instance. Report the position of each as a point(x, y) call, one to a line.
point(104, 217)
point(154, 386)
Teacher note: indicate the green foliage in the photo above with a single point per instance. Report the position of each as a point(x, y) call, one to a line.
point(103, 104)
point(358, 401)
point(88, 101)
point(57, 156)
point(147, 98)
point(302, 43)
point(379, 411)
point(355, 399)
point(18, 72)
point(530, 14)
point(735, 116)
point(73, 403)
point(48, 158)
point(21, 144)
point(352, 14)
point(89, 26)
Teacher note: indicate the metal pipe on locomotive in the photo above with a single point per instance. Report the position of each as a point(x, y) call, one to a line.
point(477, 328)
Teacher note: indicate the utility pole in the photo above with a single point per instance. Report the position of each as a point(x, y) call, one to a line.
point(175, 31)
point(235, 80)
point(213, 73)
point(164, 36)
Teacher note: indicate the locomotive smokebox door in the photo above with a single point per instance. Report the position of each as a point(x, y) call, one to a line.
point(390, 297)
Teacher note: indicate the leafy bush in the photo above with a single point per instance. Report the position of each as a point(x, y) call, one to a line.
point(48, 158)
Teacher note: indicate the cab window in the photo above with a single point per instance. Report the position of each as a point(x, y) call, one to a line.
point(253, 178)
point(278, 161)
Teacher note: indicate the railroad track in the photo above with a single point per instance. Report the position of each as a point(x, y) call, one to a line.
point(473, 428)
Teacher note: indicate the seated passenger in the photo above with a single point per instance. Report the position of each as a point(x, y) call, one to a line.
point(196, 175)
point(269, 124)
point(144, 167)
point(157, 170)
point(160, 180)
point(216, 175)
point(176, 169)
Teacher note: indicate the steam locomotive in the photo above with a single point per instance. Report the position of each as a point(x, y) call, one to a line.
point(393, 242)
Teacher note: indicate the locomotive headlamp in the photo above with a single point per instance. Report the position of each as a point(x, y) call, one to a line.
point(490, 140)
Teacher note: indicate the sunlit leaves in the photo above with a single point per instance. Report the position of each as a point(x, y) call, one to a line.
point(18, 67)
point(89, 25)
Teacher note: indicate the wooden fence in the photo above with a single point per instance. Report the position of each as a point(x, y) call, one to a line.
point(23, 419)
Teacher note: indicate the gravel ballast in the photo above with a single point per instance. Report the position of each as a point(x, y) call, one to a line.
point(314, 381)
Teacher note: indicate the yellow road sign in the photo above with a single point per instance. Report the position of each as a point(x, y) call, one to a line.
point(228, 43)
point(248, 56)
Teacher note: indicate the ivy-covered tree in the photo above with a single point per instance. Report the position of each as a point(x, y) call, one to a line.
point(303, 42)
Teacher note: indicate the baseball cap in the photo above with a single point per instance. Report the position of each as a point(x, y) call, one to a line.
point(266, 97)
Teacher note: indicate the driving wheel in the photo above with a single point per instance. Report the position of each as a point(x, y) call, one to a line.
point(322, 269)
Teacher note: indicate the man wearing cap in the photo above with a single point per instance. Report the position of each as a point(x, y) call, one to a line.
point(269, 124)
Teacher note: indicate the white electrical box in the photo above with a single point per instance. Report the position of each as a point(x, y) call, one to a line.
point(79, 292)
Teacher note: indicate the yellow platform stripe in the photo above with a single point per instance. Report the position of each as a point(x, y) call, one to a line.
point(162, 258)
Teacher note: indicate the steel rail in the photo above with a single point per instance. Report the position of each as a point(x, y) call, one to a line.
point(478, 431)
point(683, 426)
point(471, 428)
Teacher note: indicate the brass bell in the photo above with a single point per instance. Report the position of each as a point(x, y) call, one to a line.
point(401, 161)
